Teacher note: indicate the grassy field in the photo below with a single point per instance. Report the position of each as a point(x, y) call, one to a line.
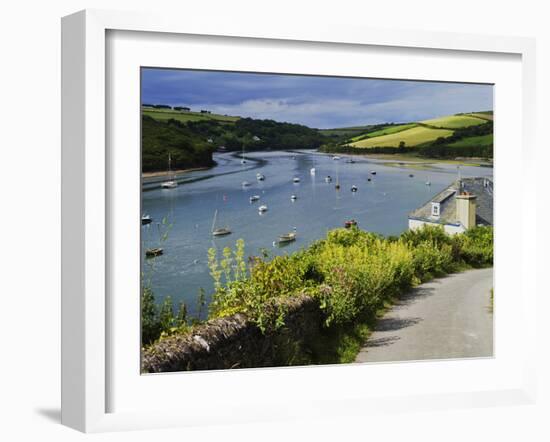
point(412, 137)
point(482, 140)
point(388, 130)
point(167, 114)
point(483, 115)
point(454, 121)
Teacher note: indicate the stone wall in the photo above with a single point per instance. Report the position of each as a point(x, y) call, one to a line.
point(236, 342)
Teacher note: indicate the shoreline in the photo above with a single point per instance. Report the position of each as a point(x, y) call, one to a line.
point(174, 172)
point(404, 158)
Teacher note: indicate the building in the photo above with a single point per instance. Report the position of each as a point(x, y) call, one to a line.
point(466, 203)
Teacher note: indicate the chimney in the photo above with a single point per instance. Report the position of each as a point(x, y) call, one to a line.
point(466, 209)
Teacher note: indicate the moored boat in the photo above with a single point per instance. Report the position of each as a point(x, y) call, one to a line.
point(286, 238)
point(155, 251)
point(350, 223)
point(171, 183)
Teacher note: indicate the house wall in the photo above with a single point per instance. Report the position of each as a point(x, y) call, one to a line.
point(449, 228)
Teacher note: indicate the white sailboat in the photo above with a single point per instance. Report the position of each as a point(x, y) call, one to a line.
point(220, 231)
point(171, 183)
point(243, 160)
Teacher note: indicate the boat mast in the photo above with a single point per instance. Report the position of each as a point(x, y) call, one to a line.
point(214, 220)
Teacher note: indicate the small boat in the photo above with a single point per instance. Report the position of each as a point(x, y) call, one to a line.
point(328, 179)
point(354, 188)
point(293, 197)
point(286, 238)
point(245, 184)
point(220, 231)
point(373, 172)
point(262, 208)
point(428, 183)
point(146, 219)
point(350, 161)
point(296, 180)
point(410, 175)
point(260, 177)
point(151, 253)
point(337, 187)
point(171, 183)
point(312, 171)
point(350, 223)
point(368, 179)
point(336, 157)
point(254, 198)
point(293, 157)
point(243, 161)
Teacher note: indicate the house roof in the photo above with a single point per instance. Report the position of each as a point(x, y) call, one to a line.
point(447, 202)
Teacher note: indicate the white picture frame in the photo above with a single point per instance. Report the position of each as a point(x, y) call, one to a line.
point(85, 200)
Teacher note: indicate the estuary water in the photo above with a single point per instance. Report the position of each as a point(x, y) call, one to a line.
point(380, 205)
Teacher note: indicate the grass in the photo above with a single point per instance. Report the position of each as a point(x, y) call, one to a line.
point(341, 345)
point(385, 131)
point(483, 115)
point(455, 121)
point(167, 114)
point(412, 137)
point(482, 140)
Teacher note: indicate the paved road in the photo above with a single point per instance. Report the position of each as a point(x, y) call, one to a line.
point(446, 318)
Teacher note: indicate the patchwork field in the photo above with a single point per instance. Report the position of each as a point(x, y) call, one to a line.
point(454, 121)
point(167, 114)
point(483, 115)
point(388, 130)
point(412, 137)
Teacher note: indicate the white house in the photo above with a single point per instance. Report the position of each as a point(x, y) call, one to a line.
point(466, 203)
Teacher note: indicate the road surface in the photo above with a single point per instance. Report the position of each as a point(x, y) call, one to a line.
point(446, 318)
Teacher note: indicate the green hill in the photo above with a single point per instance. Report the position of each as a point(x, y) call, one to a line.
point(466, 134)
point(470, 130)
point(191, 139)
point(411, 136)
point(160, 138)
point(183, 116)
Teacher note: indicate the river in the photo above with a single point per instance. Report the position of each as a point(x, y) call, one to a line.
point(380, 205)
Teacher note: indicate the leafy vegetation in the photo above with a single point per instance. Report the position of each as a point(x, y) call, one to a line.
point(191, 141)
point(158, 139)
point(352, 273)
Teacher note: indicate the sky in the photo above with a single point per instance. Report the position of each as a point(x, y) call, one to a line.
point(317, 102)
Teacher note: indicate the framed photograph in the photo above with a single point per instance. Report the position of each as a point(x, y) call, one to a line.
point(319, 216)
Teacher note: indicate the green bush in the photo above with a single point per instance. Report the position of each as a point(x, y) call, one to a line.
point(351, 272)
